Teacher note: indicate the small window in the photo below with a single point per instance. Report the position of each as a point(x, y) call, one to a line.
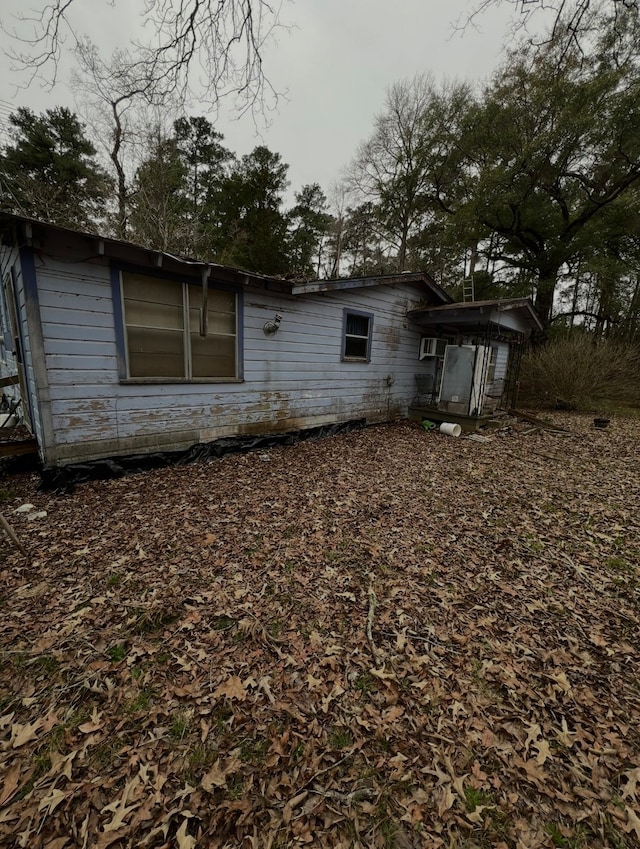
point(356, 334)
point(163, 323)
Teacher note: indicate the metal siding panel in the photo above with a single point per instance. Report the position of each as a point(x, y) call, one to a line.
point(79, 303)
point(74, 377)
point(58, 281)
point(87, 362)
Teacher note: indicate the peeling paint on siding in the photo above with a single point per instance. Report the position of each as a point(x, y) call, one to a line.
point(292, 381)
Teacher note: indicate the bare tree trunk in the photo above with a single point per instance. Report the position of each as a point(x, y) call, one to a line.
point(402, 253)
point(114, 154)
point(631, 323)
point(544, 296)
point(574, 300)
point(337, 256)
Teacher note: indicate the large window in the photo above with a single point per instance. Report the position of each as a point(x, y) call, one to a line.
point(166, 336)
point(356, 335)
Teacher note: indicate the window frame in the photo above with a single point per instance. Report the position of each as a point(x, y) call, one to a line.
point(490, 375)
point(183, 281)
point(346, 312)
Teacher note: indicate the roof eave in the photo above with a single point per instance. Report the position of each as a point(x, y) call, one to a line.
point(339, 284)
point(447, 314)
point(110, 248)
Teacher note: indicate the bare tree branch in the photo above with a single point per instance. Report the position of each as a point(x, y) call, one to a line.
point(115, 96)
point(214, 47)
point(569, 21)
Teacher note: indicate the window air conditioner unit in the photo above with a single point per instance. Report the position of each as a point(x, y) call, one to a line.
point(432, 347)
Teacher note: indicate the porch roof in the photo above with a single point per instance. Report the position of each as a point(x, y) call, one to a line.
point(514, 314)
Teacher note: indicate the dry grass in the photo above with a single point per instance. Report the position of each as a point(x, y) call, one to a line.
point(575, 374)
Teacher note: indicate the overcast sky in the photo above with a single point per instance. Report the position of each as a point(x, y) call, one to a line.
point(335, 62)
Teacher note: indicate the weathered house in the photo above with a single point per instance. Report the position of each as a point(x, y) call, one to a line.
point(115, 350)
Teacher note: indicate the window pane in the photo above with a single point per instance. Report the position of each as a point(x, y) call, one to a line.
point(146, 314)
point(221, 310)
point(355, 346)
point(357, 325)
point(218, 322)
point(154, 319)
point(152, 303)
point(357, 333)
point(155, 353)
point(156, 335)
point(222, 301)
point(213, 356)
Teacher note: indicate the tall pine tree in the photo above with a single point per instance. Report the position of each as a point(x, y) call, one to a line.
point(49, 170)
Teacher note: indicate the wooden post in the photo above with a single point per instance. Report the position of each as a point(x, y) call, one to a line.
point(12, 535)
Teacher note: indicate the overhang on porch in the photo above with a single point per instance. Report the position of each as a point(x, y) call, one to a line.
point(470, 361)
point(510, 315)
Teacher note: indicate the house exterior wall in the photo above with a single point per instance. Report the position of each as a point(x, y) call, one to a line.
point(292, 380)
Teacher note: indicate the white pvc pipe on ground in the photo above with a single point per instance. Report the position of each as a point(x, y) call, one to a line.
point(450, 429)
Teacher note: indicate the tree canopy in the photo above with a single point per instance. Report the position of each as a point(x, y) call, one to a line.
point(194, 197)
point(551, 148)
point(527, 185)
point(49, 170)
point(518, 184)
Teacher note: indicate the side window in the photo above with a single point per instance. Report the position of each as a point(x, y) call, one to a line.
point(166, 336)
point(356, 335)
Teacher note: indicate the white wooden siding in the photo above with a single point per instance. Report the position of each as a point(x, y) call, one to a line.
point(292, 380)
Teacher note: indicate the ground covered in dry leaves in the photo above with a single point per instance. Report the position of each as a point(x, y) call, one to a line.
point(389, 638)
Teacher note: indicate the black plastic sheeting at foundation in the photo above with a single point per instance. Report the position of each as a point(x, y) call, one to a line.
point(64, 478)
